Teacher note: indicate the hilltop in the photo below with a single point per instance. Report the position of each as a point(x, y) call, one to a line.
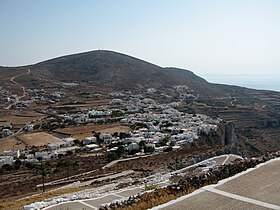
point(108, 69)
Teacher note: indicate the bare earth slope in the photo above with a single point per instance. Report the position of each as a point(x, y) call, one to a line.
point(105, 68)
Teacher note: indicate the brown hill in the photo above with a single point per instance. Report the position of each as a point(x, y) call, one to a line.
point(105, 68)
point(108, 69)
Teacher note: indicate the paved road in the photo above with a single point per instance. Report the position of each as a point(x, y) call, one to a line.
point(95, 203)
point(257, 188)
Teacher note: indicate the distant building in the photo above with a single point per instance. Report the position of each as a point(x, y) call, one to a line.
point(14, 154)
point(6, 160)
point(133, 147)
point(116, 101)
point(29, 127)
point(151, 90)
point(89, 140)
point(91, 147)
point(63, 143)
point(6, 132)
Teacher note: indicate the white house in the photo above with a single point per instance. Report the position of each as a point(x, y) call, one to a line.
point(6, 132)
point(89, 140)
point(29, 127)
point(133, 147)
point(151, 90)
point(116, 101)
point(91, 147)
point(105, 136)
point(80, 118)
point(43, 155)
point(58, 145)
point(6, 160)
point(69, 141)
point(14, 154)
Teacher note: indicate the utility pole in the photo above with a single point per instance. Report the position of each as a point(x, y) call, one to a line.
point(43, 175)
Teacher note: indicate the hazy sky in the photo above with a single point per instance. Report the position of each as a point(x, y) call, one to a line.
point(205, 36)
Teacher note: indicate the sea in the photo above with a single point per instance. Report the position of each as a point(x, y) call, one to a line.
point(258, 81)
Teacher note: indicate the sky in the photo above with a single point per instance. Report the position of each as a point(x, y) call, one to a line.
point(205, 36)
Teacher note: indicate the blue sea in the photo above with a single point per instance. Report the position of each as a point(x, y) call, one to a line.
point(262, 82)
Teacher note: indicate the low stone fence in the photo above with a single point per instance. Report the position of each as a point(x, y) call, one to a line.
point(188, 184)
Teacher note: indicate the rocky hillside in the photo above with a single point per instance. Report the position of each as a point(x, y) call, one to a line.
point(105, 68)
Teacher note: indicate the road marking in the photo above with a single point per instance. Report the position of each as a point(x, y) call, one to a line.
point(221, 182)
point(92, 207)
point(225, 160)
point(241, 198)
point(117, 195)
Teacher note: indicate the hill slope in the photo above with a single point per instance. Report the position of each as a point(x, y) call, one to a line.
point(105, 68)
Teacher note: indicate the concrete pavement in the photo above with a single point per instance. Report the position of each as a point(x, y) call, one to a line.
point(257, 188)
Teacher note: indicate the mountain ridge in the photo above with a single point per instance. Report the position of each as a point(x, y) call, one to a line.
point(108, 68)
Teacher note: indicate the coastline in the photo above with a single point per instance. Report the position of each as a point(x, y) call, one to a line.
point(258, 81)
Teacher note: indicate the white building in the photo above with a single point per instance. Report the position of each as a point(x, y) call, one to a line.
point(29, 127)
point(133, 147)
point(43, 155)
point(89, 140)
point(151, 90)
point(6, 160)
point(63, 143)
point(116, 101)
point(14, 154)
point(6, 132)
point(69, 141)
point(91, 147)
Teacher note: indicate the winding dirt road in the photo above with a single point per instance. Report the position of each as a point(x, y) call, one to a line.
point(22, 87)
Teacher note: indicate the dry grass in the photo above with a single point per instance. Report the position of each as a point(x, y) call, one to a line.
point(111, 128)
point(151, 201)
point(114, 129)
point(81, 136)
point(16, 117)
point(10, 144)
point(38, 139)
point(13, 204)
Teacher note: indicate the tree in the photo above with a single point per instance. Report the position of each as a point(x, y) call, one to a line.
point(42, 169)
point(8, 167)
point(164, 141)
point(69, 152)
point(34, 149)
point(77, 142)
point(97, 136)
point(168, 149)
point(149, 149)
point(123, 135)
point(17, 164)
point(116, 134)
point(120, 151)
point(1, 172)
point(29, 165)
point(112, 156)
point(142, 144)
